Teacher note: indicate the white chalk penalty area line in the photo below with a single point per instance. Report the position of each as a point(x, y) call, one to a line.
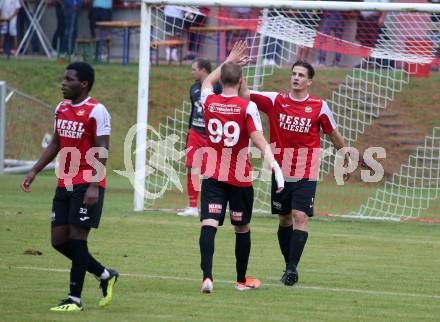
point(306, 287)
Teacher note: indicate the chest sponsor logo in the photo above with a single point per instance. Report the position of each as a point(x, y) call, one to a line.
point(308, 109)
point(237, 215)
point(224, 108)
point(70, 129)
point(215, 208)
point(295, 123)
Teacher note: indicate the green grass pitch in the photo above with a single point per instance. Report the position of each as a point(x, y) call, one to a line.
point(350, 270)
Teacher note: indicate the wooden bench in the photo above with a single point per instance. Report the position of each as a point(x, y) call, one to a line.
point(88, 47)
point(172, 43)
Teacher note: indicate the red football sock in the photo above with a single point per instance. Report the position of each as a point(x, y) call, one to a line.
point(193, 186)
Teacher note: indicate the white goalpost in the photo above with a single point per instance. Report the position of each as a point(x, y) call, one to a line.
point(370, 86)
point(2, 125)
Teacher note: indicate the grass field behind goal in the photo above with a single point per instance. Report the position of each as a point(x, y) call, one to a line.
point(350, 271)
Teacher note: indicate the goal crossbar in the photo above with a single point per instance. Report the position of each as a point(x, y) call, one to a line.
point(310, 5)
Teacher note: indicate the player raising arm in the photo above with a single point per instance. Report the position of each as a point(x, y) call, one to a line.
point(296, 120)
point(229, 123)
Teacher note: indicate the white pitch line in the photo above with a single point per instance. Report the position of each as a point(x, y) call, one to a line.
point(190, 279)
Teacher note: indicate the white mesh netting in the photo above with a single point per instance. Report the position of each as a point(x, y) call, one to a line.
point(373, 77)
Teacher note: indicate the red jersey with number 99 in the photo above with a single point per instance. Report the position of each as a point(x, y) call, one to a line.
point(229, 121)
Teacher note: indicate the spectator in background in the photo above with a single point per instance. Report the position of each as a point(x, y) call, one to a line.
point(237, 13)
point(195, 38)
point(369, 25)
point(101, 11)
point(307, 19)
point(272, 45)
point(57, 38)
point(174, 26)
point(71, 16)
point(332, 25)
point(9, 11)
point(271, 51)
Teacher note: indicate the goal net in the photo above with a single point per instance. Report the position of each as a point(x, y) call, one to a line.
point(377, 70)
point(26, 120)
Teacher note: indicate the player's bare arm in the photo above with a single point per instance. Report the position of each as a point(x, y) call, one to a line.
point(92, 194)
point(244, 91)
point(237, 55)
point(260, 142)
point(338, 142)
point(48, 155)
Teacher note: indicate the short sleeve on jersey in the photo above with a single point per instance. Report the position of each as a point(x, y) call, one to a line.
point(326, 120)
point(206, 92)
point(253, 120)
point(265, 100)
point(55, 116)
point(103, 120)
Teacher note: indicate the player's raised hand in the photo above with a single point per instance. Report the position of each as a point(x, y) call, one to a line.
point(239, 53)
point(27, 181)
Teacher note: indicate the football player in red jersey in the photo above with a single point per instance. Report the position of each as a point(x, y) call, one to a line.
point(230, 121)
point(296, 120)
point(81, 138)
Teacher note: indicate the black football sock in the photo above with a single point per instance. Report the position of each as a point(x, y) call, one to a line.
point(80, 261)
point(284, 237)
point(64, 249)
point(94, 266)
point(206, 242)
point(242, 251)
point(297, 243)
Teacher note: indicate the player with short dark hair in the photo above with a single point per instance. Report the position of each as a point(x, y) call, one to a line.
point(296, 120)
point(230, 122)
point(196, 138)
point(81, 138)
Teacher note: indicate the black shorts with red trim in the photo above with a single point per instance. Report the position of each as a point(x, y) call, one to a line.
point(297, 195)
point(68, 207)
point(215, 197)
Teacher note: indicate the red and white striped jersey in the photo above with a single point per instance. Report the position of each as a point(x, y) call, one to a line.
point(295, 130)
point(77, 125)
point(229, 122)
